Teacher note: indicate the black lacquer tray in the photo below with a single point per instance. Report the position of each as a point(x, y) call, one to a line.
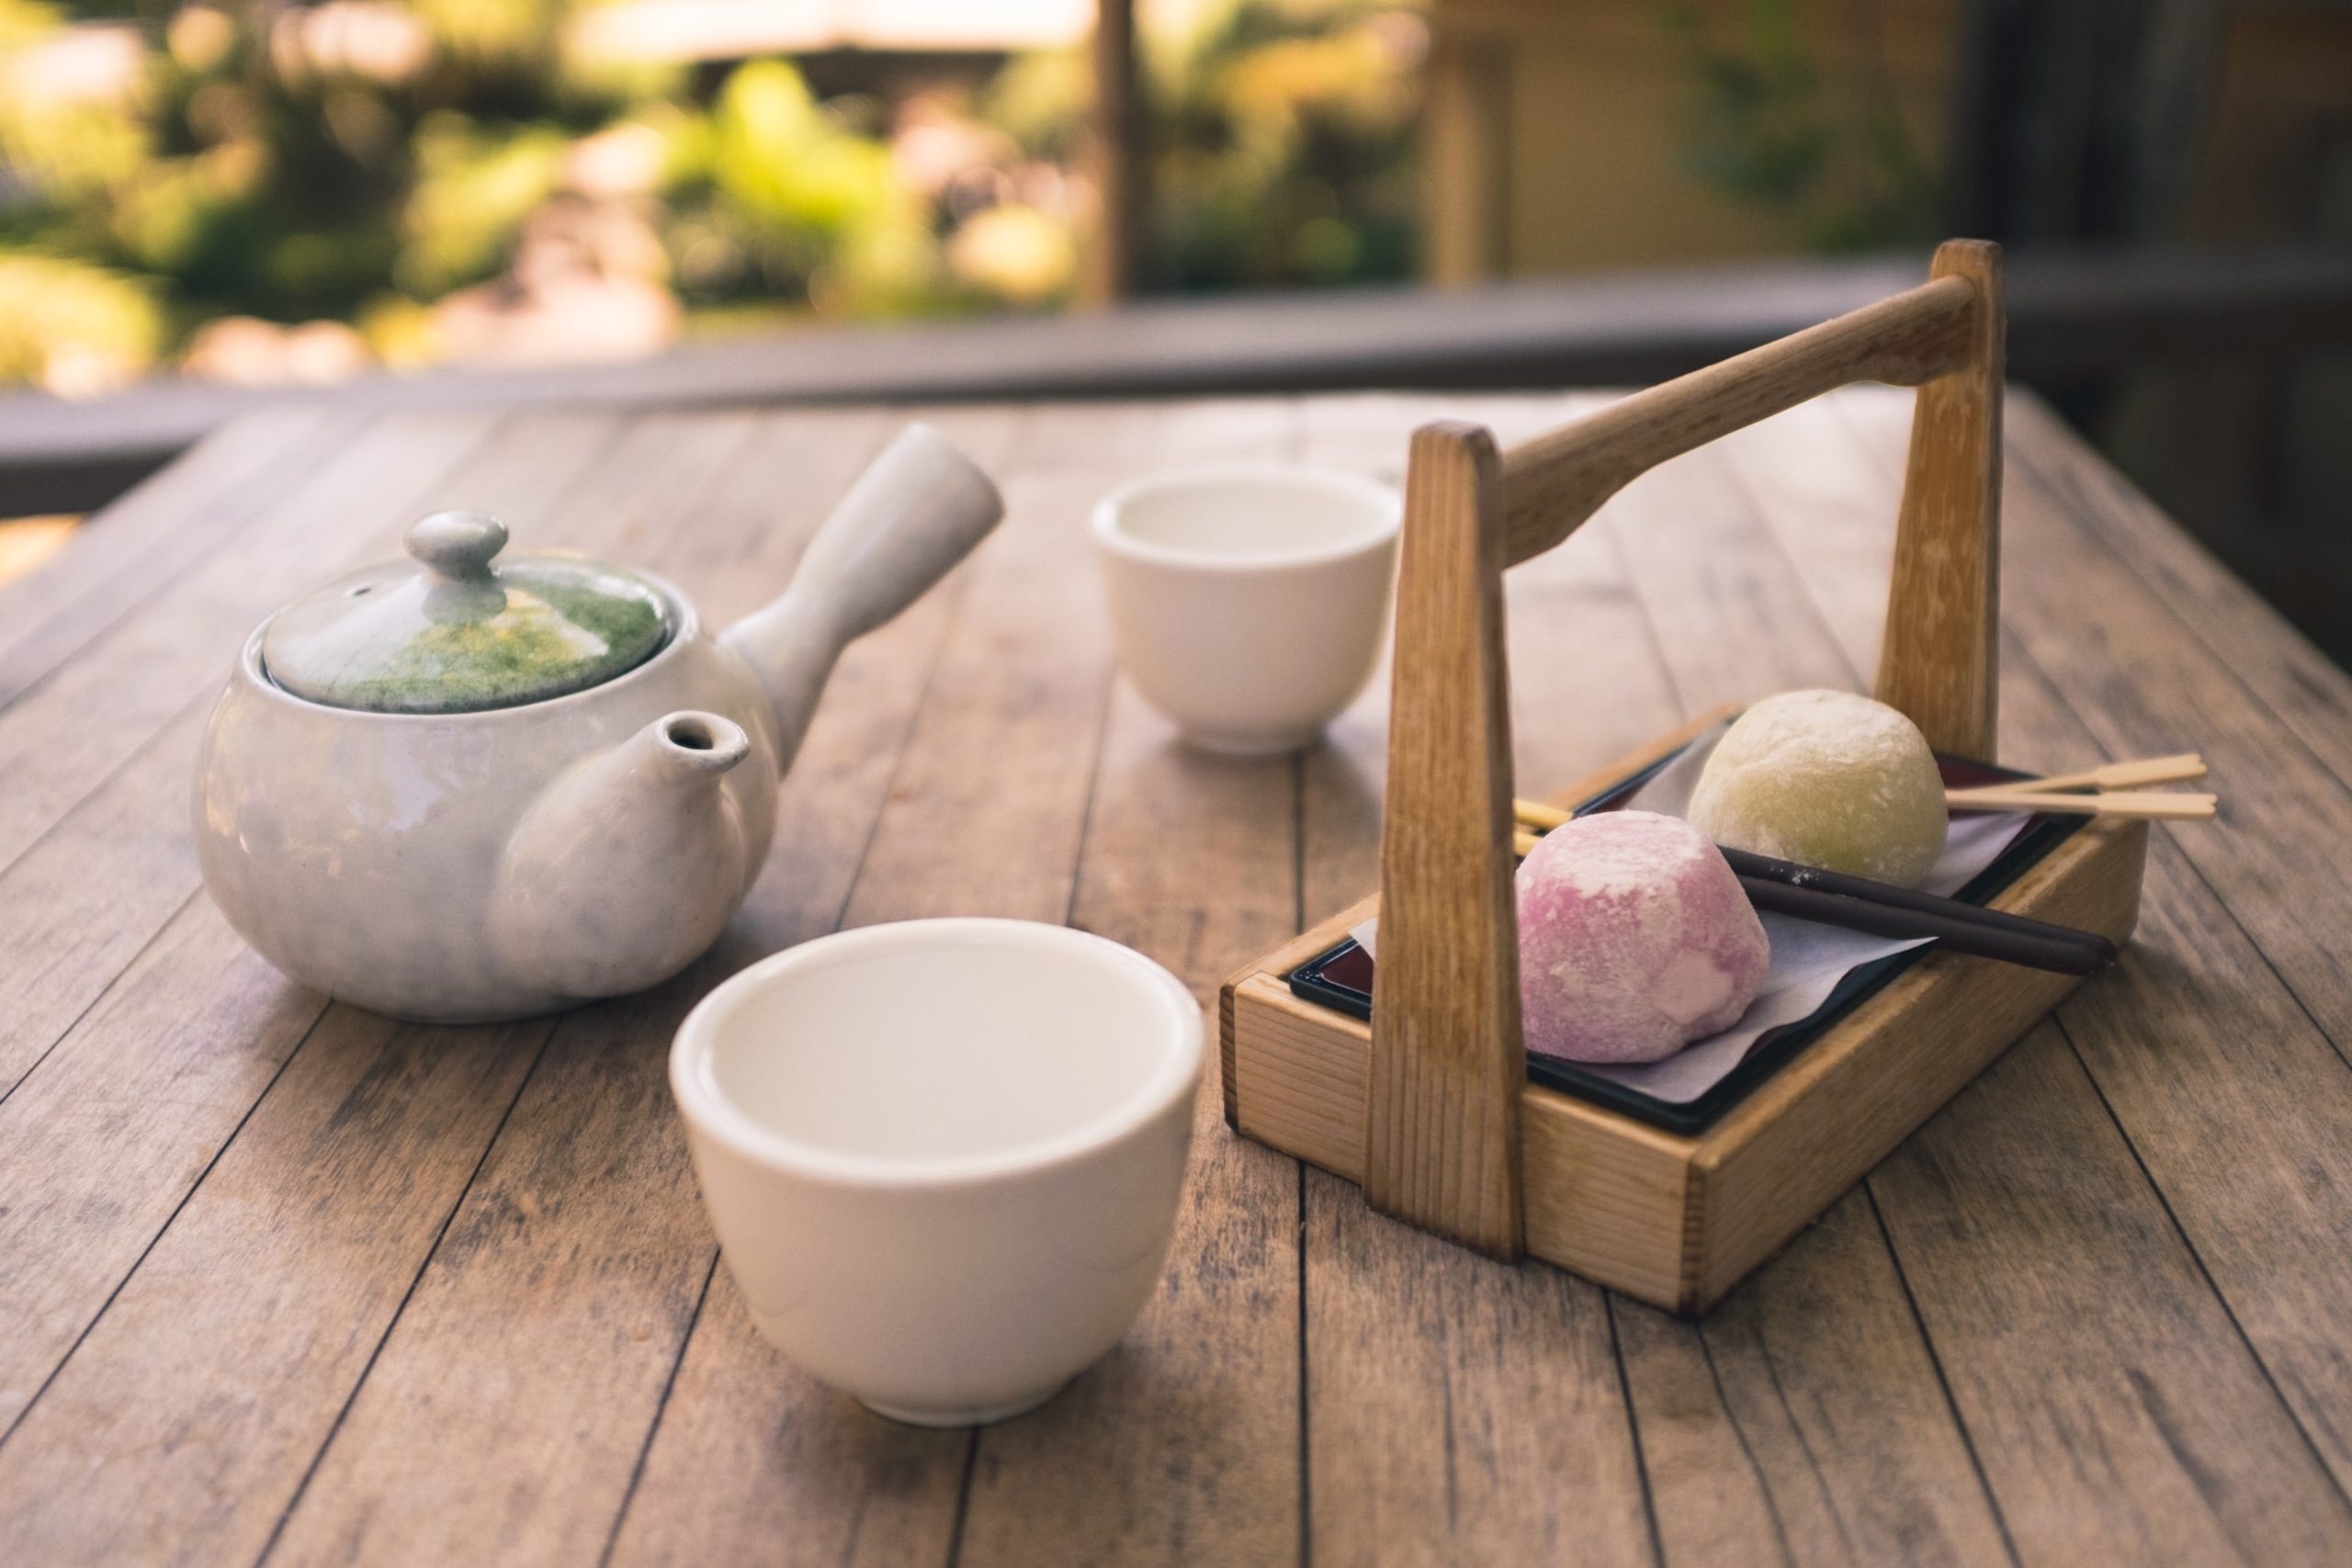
point(1340, 976)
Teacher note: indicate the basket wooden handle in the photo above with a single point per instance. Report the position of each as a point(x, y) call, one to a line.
point(1941, 659)
point(1442, 1115)
point(1442, 1129)
point(1555, 481)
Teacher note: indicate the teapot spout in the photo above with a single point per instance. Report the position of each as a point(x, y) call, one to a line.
point(916, 511)
point(688, 748)
point(629, 866)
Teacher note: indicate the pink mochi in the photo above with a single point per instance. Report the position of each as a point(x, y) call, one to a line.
point(1634, 938)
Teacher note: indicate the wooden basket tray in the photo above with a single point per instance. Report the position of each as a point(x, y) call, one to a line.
point(1429, 1105)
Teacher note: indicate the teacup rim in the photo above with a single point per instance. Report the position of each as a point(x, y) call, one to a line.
point(1110, 536)
point(711, 1113)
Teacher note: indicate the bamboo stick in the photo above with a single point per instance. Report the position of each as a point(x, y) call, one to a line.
point(2178, 768)
point(2152, 806)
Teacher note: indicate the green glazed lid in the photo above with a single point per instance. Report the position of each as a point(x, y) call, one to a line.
point(463, 636)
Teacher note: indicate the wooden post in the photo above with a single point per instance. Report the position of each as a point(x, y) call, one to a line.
point(1108, 267)
point(1467, 158)
point(1940, 661)
point(1442, 1112)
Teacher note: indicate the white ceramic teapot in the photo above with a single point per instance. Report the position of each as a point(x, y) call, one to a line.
point(471, 786)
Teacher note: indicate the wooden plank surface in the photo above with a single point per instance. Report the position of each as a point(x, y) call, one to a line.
point(585, 1206)
point(281, 1281)
point(96, 756)
point(1184, 1446)
point(1867, 1458)
point(156, 532)
point(2205, 1005)
point(741, 1444)
point(1824, 513)
point(1406, 1338)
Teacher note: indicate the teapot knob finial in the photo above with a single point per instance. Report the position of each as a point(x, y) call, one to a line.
point(457, 544)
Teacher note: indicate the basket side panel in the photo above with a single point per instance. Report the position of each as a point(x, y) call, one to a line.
point(1606, 1197)
point(1794, 1146)
point(1271, 970)
point(1300, 1076)
point(1225, 1073)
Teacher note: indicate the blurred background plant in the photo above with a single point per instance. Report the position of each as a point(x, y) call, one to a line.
point(1765, 128)
point(283, 192)
point(296, 191)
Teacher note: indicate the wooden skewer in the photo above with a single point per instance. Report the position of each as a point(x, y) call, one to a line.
point(1535, 814)
point(2178, 768)
point(2157, 807)
point(2003, 797)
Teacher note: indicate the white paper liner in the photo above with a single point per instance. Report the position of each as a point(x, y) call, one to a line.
point(1808, 960)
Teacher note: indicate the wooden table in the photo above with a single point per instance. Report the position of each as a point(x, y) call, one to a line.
point(283, 1282)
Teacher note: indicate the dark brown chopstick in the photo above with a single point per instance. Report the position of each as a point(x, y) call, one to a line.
point(1979, 938)
point(2098, 951)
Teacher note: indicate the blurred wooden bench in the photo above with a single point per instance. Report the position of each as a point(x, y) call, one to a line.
point(2074, 315)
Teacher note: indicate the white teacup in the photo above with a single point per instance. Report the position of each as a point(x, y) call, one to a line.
point(943, 1157)
point(1247, 602)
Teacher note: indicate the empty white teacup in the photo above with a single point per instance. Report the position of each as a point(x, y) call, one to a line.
point(943, 1157)
point(1247, 602)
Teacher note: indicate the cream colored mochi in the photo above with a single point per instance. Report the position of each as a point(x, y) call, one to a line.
point(1826, 779)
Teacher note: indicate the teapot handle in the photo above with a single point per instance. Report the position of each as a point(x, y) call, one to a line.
point(918, 510)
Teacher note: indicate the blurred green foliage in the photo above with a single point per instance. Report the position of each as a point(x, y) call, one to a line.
point(474, 186)
point(69, 324)
point(1288, 150)
point(378, 161)
point(1763, 128)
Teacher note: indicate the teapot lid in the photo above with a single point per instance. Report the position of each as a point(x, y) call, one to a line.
point(463, 636)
